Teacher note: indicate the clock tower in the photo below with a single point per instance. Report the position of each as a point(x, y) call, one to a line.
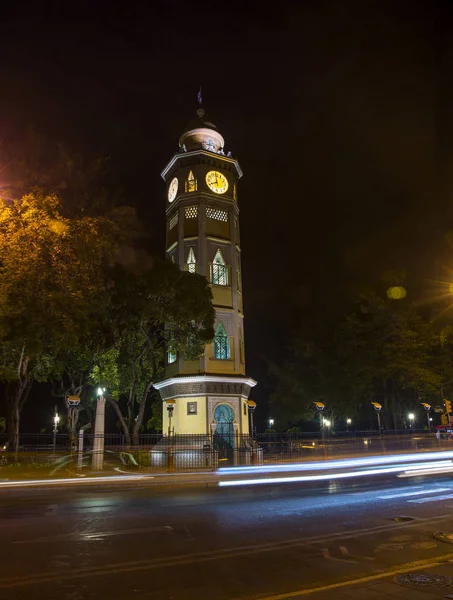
point(207, 396)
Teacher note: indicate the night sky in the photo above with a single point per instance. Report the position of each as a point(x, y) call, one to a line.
point(340, 114)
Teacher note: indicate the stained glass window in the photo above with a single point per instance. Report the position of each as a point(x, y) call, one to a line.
point(219, 271)
point(221, 343)
point(191, 261)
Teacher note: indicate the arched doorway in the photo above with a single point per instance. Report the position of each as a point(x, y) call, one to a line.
point(224, 431)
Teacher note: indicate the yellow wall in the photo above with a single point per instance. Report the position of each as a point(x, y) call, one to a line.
point(244, 417)
point(181, 421)
point(222, 295)
point(191, 366)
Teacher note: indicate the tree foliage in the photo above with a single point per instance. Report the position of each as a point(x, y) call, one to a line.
point(154, 310)
point(379, 352)
point(53, 288)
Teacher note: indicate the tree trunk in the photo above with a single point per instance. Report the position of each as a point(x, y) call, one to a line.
point(127, 435)
point(141, 414)
point(13, 419)
point(16, 395)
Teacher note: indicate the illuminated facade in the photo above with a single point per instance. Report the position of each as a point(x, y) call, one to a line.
point(209, 395)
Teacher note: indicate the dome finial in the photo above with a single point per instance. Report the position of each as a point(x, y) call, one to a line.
point(200, 111)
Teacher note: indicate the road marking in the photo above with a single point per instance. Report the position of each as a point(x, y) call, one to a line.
point(424, 500)
point(346, 552)
point(326, 554)
point(79, 536)
point(389, 546)
point(419, 493)
point(414, 566)
point(424, 545)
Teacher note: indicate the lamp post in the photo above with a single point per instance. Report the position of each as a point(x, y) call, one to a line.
point(73, 415)
point(378, 408)
point(170, 409)
point(252, 405)
point(427, 408)
point(99, 427)
point(348, 423)
point(271, 423)
point(56, 420)
point(171, 458)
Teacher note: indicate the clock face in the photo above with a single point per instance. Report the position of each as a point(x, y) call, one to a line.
point(217, 182)
point(173, 189)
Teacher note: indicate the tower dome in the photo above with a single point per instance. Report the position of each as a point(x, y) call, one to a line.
point(201, 134)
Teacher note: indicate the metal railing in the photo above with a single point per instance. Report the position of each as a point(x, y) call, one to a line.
point(156, 452)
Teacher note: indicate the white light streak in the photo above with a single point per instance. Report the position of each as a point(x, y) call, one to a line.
point(339, 464)
point(72, 480)
point(326, 476)
point(428, 471)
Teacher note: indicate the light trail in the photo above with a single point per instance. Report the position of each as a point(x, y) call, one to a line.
point(72, 480)
point(331, 476)
point(428, 471)
point(338, 464)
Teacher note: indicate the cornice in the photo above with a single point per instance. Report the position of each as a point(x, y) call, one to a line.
point(211, 158)
point(204, 379)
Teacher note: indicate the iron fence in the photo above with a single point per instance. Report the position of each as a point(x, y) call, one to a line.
point(156, 452)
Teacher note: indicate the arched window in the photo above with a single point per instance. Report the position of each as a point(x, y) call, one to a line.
point(191, 261)
point(191, 183)
point(219, 271)
point(221, 343)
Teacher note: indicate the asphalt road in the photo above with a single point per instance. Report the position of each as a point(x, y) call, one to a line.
point(120, 541)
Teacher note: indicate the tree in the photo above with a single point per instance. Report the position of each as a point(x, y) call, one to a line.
point(54, 287)
point(378, 352)
point(389, 352)
point(155, 308)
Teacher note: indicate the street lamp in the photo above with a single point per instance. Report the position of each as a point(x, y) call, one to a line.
point(99, 428)
point(170, 409)
point(271, 423)
point(56, 420)
point(411, 420)
point(327, 423)
point(320, 406)
point(378, 408)
point(171, 458)
point(427, 408)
